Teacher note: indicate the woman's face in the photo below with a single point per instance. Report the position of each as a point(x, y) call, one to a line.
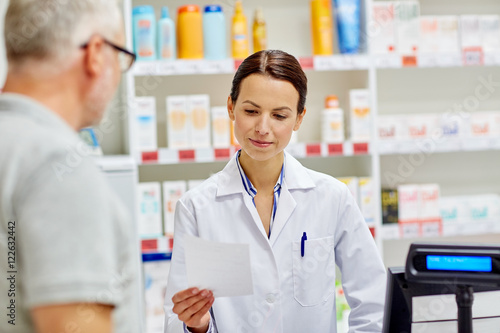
point(265, 115)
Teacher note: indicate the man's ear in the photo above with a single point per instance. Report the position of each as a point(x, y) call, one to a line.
point(230, 108)
point(94, 56)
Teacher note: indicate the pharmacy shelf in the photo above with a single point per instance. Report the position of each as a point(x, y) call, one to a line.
point(339, 62)
point(442, 145)
point(207, 155)
point(472, 228)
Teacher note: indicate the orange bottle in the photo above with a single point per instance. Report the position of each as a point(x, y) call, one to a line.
point(189, 32)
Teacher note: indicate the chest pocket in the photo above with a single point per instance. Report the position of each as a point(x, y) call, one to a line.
point(314, 274)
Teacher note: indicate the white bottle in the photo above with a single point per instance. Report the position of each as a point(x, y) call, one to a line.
point(332, 121)
point(166, 37)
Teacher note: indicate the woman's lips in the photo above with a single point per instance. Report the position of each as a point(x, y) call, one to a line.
point(260, 144)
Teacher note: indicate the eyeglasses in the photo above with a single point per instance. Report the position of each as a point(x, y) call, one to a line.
point(125, 57)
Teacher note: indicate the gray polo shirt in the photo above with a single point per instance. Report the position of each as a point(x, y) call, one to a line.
point(64, 236)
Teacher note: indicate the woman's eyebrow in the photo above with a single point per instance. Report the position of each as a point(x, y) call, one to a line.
point(275, 109)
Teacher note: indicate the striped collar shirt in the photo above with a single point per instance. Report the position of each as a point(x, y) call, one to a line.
point(250, 189)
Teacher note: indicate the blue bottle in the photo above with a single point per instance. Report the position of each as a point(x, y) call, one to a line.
point(348, 24)
point(144, 31)
point(214, 33)
point(166, 36)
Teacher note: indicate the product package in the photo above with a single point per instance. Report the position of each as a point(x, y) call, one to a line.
point(391, 127)
point(480, 124)
point(489, 27)
point(421, 126)
point(367, 199)
point(178, 126)
point(144, 31)
point(470, 33)
point(166, 43)
point(429, 35)
point(429, 214)
point(149, 209)
point(347, 13)
point(408, 209)
point(389, 200)
point(172, 192)
point(360, 115)
point(383, 35)
point(145, 123)
point(199, 114)
point(407, 15)
point(452, 126)
point(449, 41)
point(221, 128)
point(321, 27)
point(353, 186)
point(156, 268)
point(332, 121)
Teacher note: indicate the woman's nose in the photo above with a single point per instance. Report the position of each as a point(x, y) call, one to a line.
point(263, 125)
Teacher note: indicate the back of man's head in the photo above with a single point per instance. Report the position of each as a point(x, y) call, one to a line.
point(52, 30)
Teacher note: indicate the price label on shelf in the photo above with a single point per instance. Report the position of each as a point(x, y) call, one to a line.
point(390, 231)
point(473, 56)
point(167, 68)
point(409, 61)
point(360, 148)
point(335, 149)
point(388, 61)
point(431, 229)
point(222, 153)
point(360, 62)
point(450, 60)
point(143, 68)
point(237, 64)
point(313, 149)
point(474, 144)
point(204, 155)
point(323, 63)
point(149, 156)
point(307, 63)
point(168, 156)
point(428, 60)
point(342, 62)
point(187, 155)
point(409, 230)
point(217, 66)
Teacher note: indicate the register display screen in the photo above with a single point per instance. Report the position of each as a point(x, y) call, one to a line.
point(459, 263)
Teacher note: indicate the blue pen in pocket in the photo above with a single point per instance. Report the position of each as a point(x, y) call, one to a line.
point(303, 243)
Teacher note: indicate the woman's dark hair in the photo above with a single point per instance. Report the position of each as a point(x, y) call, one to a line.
point(276, 64)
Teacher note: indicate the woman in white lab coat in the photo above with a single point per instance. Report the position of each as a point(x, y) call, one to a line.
point(267, 199)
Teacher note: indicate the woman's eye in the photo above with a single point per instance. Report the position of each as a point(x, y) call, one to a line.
point(249, 111)
point(280, 117)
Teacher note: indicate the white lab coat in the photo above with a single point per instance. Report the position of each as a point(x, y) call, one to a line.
point(291, 293)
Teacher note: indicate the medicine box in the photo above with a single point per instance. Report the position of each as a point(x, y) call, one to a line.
point(149, 209)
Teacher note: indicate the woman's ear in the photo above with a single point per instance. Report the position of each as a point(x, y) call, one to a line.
point(230, 108)
point(298, 122)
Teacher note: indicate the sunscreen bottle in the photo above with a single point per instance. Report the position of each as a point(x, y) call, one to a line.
point(189, 32)
point(322, 27)
point(166, 36)
point(239, 33)
point(144, 29)
point(259, 31)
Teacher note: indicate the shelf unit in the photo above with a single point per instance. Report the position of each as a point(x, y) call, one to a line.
point(422, 84)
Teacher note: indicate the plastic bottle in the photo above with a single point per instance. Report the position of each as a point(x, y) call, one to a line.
point(332, 121)
point(166, 36)
point(348, 25)
point(322, 27)
point(214, 33)
point(189, 32)
point(259, 31)
point(144, 30)
point(239, 33)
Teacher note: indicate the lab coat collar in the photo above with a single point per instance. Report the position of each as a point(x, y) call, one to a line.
point(296, 177)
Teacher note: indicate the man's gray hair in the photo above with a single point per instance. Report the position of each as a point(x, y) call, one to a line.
point(54, 29)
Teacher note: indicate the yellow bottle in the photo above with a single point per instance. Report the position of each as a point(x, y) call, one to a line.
point(322, 27)
point(259, 31)
point(239, 33)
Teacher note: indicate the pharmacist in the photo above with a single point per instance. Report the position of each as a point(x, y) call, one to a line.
point(266, 198)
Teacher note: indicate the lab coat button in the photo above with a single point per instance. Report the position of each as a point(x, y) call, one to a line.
point(270, 298)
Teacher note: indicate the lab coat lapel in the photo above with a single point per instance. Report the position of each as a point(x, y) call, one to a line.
point(230, 183)
point(286, 206)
